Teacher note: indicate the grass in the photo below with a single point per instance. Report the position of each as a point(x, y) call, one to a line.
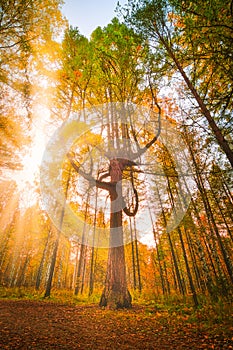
point(173, 306)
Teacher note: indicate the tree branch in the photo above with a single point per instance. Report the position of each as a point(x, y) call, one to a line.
point(92, 181)
point(155, 138)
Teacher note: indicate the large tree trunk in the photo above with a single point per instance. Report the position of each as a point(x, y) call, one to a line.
point(116, 294)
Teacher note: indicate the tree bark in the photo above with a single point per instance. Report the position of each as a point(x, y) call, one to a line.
point(116, 294)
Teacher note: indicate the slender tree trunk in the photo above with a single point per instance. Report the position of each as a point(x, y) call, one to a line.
point(67, 264)
point(55, 249)
point(211, 219)
point(21, 278)
point(174, 258)
point(200, 250)
point(137, 256)
point(223, 143)
point(228, 192)
point(52, 267)
point(78, 281)
point(81, 262)
point(217, 202)
point(198, 274)
point(42, 261)
point(91, 279)
point(84, 270)
point(191, 284)
point(167, 285)
point(3, 250)
point(156, 239)
point(133, 255)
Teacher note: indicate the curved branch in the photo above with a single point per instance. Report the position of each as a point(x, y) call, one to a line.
point(92, 181)
point(127, 210)
point(103, 176)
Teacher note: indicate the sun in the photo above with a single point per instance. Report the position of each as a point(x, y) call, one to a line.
point(32, 160)
point(29, 176)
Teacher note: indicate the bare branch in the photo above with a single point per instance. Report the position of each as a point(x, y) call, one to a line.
point(103, 176)
point(153, 140)
point(92, 181)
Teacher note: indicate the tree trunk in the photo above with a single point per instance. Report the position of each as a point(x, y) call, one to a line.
point(211, 220)
point(133, 256)
point(42, 261)
point(189, 274)
point(156, 239)
point(52, 267)
point(92, 267)
point(137, 258)
point(116, 294)
point(56, 245)
point(223, 143)
point(81, 263)
point(173, 254)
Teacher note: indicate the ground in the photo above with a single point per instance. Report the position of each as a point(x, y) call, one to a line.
point(46, 325)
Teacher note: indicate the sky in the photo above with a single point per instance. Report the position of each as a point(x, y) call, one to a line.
point(87, 15)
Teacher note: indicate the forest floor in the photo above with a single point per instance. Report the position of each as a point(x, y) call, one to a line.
point(45, 325)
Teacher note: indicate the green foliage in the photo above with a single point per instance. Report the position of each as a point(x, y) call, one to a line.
point(57, 296)
point(120, 56)
point(19, 293)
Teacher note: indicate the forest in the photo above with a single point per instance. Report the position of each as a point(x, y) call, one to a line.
point(116, 181)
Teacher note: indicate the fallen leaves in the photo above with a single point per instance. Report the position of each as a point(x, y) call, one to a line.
point(44, 325)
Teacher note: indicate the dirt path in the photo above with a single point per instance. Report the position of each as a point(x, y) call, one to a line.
point(44, 325)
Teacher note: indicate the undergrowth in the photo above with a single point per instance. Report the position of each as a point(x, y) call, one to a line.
point(208, 312)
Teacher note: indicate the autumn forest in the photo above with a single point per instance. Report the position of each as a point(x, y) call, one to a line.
point(116, 166)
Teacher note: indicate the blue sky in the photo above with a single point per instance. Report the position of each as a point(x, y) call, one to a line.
point(87, 15)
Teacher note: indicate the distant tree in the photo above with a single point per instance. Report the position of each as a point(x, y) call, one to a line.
point(58, 235)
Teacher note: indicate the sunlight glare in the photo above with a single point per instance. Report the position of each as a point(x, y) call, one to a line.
point(28, 178)
point(10, 208)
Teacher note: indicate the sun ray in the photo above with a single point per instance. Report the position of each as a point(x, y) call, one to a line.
point(9, 209)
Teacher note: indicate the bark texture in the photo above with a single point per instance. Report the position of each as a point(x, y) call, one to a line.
point(116, 294)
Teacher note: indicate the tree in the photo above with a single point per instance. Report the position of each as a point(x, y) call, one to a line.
point(75, 74)
point(109, 68)
point(120, 57)
point(56, 244)
point(121, 159)
point(160, 23)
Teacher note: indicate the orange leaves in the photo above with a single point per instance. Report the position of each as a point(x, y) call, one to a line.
point(88, 327)
point(77, 74)
point(175, 19)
